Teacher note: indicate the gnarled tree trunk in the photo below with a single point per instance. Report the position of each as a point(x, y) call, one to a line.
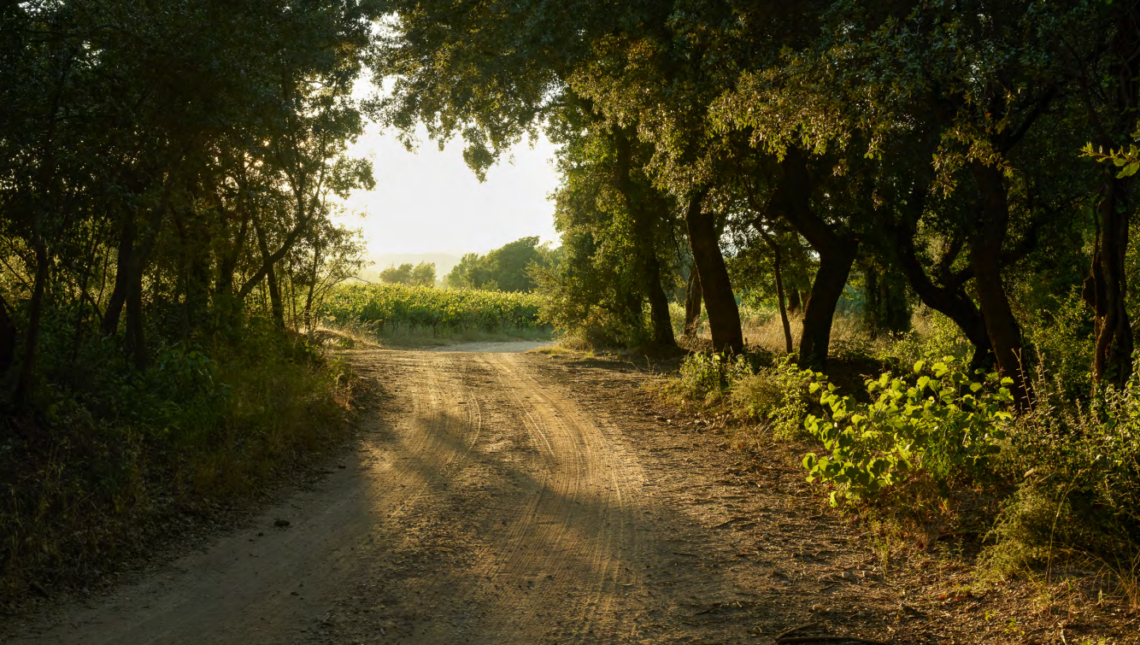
point(1105, 289)
point(837, 251)
point(985, 259)
point(724, 316)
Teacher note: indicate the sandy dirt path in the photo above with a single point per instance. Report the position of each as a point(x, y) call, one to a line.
point(498, 498)
point(480, 506)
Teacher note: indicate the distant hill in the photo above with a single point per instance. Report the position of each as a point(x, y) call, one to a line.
point(443, 262)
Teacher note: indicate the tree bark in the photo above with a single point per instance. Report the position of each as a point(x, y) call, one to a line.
point(952, 303)
point(1107, 286)
point(276, 305)
point(8, 335)
point(716, 288)
point(794, 301)
point(826, 289)
point(135, 340)
point(127, 234)
point(985, 258)
point(35, 315)
point(776, 265)
point(780, 299)
point(836, 251)
point(693, 304)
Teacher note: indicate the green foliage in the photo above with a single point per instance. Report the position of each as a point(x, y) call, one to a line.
point(708, 377)
point(1078, 496)
point(1062, 336)
point(118, 452)
point(938, 424)
point(508, 268)
point(779, 397)
point(1125, 158)
point(420, 275)
point(932, 334)
point(392, 308)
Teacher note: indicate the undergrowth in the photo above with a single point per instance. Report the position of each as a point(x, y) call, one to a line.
point(928, 450)
point(110, 455)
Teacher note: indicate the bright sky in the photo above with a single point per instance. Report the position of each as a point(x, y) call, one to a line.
point(430, 201)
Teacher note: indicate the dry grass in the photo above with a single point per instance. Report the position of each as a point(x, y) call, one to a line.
point(763, 330)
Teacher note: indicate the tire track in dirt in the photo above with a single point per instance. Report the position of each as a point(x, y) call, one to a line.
point(569, 541)
point(491, 498)
point(265, 583)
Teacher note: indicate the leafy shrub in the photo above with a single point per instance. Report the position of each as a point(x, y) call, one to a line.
point(1062, 337)
point(932, 333)
point(939, 425)
point(1080, 489)
point(115, 451)
point(708, 377)
point(779, 396)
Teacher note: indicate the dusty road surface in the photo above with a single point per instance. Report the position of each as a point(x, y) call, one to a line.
point(514, 498)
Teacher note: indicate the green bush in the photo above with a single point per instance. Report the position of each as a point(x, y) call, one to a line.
point(708, 377)
point(1079, 490)
point(934, 427)
point(778, 396)
point(113, 451)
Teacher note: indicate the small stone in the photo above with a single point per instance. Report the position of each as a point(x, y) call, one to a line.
point(281, 524)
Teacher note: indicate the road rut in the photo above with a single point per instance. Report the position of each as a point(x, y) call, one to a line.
point(481, 506)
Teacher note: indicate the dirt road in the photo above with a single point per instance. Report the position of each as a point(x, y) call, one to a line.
point(511, 498)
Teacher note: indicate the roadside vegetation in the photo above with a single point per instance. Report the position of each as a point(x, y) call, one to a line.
point(166, 227)
point(900, 433)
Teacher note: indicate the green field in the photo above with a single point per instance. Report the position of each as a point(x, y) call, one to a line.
point(393, 310)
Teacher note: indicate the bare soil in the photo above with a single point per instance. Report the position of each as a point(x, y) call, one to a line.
point(520, 498)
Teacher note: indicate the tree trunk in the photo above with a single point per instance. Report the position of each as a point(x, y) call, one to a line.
point(794, 302)
point(8, 335)
point(836, 251)
point(780, 299)
point(985, 259)
point(135, 340)
point(118, 298)
point(954, 304)
point(777, 261)
point(826, 290)
point(276, 305)
point(885, 309)
point(35, 315)
point(658, 304)
point(312, 290)
point(716, 288)
point(693, 304)
point(1112, 356)
point(1106, 288)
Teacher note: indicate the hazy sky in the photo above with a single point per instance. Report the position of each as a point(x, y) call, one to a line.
point(430, 201)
